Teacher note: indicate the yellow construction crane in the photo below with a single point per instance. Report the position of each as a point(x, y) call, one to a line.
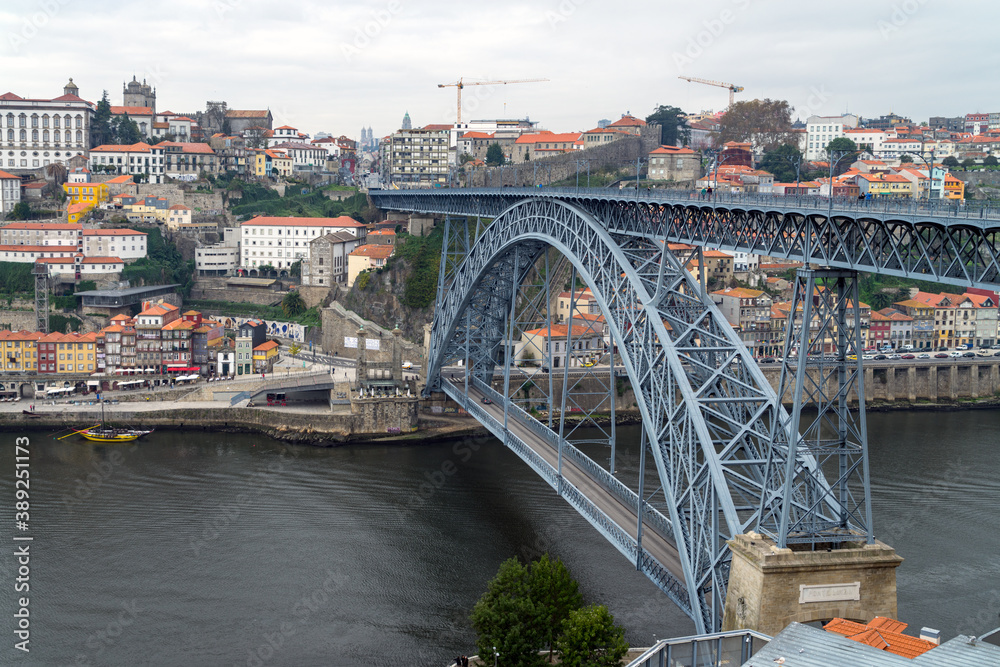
point(460, 85)
point(733, 88)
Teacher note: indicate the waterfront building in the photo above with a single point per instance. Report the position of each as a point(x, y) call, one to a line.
point(673, 163)
point(149, 324)
point(748, 311)
point(250, 335)
point(265, 356)
point(924, 336)
point(19, 350)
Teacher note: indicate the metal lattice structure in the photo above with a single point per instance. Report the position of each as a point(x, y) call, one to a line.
point(720, 443)
point(707, 409)
point(41, 272)
point(942, 242)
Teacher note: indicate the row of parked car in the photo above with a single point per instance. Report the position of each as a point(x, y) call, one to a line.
point(940, 353)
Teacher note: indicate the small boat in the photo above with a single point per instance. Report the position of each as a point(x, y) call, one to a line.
point(103, 432)
point(30, 413)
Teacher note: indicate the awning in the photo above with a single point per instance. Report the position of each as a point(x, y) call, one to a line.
point(92, 383)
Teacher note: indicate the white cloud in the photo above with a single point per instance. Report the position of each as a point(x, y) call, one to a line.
point(336, 66)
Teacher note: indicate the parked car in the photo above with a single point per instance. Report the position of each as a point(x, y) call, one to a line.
point(956, 354)
point(769, 360)
point(895, 356)
point(968, 354)
point(943, 348)
point(880, 357)
point(923, 355)
point(868, 357)
point(911, 356)
point(941, 355)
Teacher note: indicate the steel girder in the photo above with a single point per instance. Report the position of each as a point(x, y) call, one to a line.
point(706, 407)
point(909, 244)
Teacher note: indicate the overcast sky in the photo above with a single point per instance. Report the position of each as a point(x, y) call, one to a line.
point(338, 65)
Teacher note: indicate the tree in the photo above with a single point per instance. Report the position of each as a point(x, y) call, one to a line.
point(465, 157)
point(590, 638)
point(494, 155)
point(782, 162)
point(255, 137)
point(505, 618)
point(57, 172)
point(905, 158)
point(950, 161)
point(673, 130)
point(293, 304)
point(766, 124)
point(127, 131)
point(294, 350)
point(968, 162)
point(990, 161)
point(555, 593)
point(21, 211)
point(100, 125)
point(843, 152)
point(295, 269)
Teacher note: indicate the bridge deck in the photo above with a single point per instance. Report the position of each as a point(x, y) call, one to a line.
point(654, 542)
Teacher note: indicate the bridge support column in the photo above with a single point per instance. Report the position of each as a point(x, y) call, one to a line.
point(974, 380)
point(823, 332)
point(769, 588)
point(890, 384)
point(932, 382)
point(953, 382)
point(911, 383)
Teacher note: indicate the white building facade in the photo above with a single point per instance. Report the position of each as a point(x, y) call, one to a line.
point(282, 241)
point(821, 130)
point(38, 132)
point(10, 192)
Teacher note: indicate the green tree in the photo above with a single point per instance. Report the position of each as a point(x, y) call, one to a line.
point(990, 161)
point(673, 130)
point(555, 594)
point(764, 123)
point(295, 269)
point(100, 125)
point(590, 638)
point(494, 155)
point(950, 161)
point(21, 211)
point(968, 162)
point(505, 618)
point(127, 131)
point(844, 152)
point(841, 145)
point(782, 162)
point(294, 350)
point(905, 158)
point(293, 304)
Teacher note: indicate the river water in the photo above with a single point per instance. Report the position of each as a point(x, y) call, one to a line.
point(223, 549)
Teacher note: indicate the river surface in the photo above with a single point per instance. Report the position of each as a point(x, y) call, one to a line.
point(222, 549)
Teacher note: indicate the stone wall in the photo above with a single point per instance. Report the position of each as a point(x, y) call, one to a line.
point(618, 154)
point(961, 379)
point(340, 323)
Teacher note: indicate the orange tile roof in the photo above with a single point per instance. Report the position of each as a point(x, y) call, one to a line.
point(740, 292)
point(44, 225)
point(716, 254)
point(20, 335)
point(374, 251)
point(628, 121)
point(548, 137)
point(264, 347)
point(112, 232)
point(38, 248)
point(882, 633)
point(290, 221)
point(188, 147)
point(140, 147)
point(132, 111)
point(246, 113)
point(120, 179)
point(671, 150)
point(561, 330)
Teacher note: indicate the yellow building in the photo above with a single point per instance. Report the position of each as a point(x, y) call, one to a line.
point(264, 356)
point(87, 193)
point(77, 212)
point(885, 186)
point(281, 164)
point(19, 350)
point(70, 353)
point(954, 189)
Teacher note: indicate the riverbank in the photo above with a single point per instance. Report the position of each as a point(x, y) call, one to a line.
point(320, 426)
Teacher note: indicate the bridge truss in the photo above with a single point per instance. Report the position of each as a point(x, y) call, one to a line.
point(711, 424)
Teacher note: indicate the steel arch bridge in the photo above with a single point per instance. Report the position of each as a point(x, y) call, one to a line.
point(719, 439)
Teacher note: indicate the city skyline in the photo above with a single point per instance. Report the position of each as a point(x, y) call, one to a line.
point(337, 67)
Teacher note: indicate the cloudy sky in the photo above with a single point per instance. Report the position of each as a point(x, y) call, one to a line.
point(338, 65)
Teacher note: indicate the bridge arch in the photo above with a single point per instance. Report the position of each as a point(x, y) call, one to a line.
point(706, 407)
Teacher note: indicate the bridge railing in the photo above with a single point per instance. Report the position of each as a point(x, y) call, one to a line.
point(943, 208)
point(616, 487)
point(720, 648)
